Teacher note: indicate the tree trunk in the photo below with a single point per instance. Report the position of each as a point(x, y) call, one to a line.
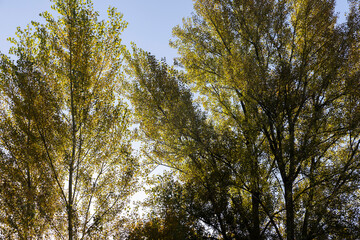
point(255, 232)
point(304, 230)
point(70, 212)
point(289, 205)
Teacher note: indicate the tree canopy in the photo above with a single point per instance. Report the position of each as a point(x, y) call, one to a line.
point(66, 161)
point(263, 124)
point(257, 122)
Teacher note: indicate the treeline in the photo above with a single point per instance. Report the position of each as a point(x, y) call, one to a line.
point(258, 121)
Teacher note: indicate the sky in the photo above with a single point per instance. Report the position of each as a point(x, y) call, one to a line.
point(150, 21)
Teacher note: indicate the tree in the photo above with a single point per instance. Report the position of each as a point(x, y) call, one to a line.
point(276, 142)
point(176, 134)
point(65, 123)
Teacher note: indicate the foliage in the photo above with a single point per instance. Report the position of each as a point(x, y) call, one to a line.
point(167, 217)
point(272, 150)
point(28, 203)
point(65, 146)
point(261, 129)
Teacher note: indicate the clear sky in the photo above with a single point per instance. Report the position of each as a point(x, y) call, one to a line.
point(150, 21)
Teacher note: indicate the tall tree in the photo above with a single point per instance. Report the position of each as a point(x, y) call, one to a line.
point(69, 105)
point(212, 161)
point(284, 63)
point(278, 148)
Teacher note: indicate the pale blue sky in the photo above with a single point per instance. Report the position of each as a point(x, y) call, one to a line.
point(150, 21)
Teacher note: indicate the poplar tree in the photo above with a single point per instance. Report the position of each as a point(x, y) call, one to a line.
point(65, 126)
point(272, 150)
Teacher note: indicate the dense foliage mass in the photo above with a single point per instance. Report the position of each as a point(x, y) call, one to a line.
point(258, 122)
point(269, 148)
point(66, 165)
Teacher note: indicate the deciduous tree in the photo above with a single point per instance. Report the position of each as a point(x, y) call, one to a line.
point(65, 113)
point(276, 141)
